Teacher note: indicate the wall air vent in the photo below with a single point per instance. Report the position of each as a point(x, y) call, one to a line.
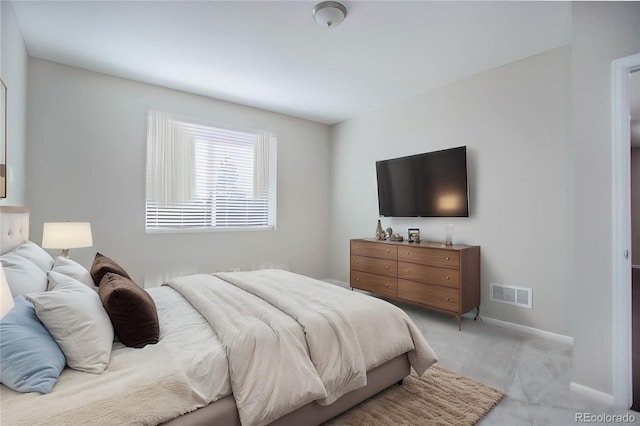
point(517, 296)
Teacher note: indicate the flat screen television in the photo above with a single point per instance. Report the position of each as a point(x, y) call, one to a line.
point(433, 184)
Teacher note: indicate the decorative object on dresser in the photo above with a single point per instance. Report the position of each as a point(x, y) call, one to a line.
point(379, 232)
point(442, 278)
point(414, 235)
point(66, 235)
point(448, 235)
point(396, 237)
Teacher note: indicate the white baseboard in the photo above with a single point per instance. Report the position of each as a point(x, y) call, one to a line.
point(592, 393)
point(529, 330)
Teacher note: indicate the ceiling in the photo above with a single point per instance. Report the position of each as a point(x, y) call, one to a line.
point(272, 55)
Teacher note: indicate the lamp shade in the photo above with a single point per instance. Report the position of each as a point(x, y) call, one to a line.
point(6, 298)
point(66, 235)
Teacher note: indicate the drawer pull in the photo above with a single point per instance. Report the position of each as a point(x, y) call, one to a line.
point(408, 253)
point(386, 285)
point(388, 251)
point(357, 246)
point(448, 278)
point(357, 262)
point(386, 267)
point(357, 279)
point(448, 300)
point(446, 258)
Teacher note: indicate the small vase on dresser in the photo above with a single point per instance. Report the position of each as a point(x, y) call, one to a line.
point(379, 232)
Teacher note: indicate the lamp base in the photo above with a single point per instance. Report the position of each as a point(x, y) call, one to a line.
point(65, 253)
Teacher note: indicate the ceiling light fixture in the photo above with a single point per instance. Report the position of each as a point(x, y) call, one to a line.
point(328, 14)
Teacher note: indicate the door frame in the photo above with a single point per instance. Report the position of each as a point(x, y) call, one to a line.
point(621, 230)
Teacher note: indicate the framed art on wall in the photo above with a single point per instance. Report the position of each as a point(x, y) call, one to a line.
point(3, 140)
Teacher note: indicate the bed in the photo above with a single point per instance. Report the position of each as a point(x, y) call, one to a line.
point(251, 348)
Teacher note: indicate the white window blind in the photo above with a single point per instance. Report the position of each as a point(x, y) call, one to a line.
point(205, 177)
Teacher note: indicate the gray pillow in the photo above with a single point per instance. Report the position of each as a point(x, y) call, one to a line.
point(36, 254)
point(73, 269)
point(23, 275)
point(74, 316)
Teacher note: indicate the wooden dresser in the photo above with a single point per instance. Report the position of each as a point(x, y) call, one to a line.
point(431, 275)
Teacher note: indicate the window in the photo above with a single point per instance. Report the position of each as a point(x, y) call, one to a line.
point(205, 177)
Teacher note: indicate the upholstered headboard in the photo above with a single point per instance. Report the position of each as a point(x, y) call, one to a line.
point(14, 227)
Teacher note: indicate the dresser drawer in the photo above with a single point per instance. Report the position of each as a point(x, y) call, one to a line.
point(429, 274)
point(431, 295)
point(430, 256)
point(369, 249)
point(374, 265)
point(384, 286)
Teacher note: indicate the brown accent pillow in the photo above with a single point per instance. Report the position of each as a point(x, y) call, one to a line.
point(131, 310)
point(101, 265)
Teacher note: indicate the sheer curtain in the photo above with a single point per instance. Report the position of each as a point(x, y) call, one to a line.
point(263, 163)
point(170, 161)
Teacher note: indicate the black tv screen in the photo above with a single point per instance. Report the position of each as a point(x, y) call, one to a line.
point(433, 184)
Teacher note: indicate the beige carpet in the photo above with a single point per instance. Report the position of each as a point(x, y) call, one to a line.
point(439, 397)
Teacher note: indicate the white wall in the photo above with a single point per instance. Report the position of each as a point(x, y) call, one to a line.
point(513, 120)
point(86, 156)
point(602, 32)
point(13, 70)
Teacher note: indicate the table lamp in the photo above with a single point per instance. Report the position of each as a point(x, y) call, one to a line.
point(6, 299)
point(66, 235)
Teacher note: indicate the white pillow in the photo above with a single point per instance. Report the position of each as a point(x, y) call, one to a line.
point(74, 316)
point(36, 254)
point(73, 269)
point(23, 275)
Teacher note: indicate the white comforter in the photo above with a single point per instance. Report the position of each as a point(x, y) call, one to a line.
point(291, 339)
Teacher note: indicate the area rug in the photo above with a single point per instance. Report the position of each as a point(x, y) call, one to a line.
point(439, 397)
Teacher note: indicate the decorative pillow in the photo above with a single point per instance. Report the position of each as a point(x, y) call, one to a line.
point(36, 254)
point(31, 359)
point(74, 316)
point(73, 269)
point(131, 309)
point(23, 275)
point(101, 265)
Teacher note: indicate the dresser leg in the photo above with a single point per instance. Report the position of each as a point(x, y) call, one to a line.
point(459, 318)
point(477, 313)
